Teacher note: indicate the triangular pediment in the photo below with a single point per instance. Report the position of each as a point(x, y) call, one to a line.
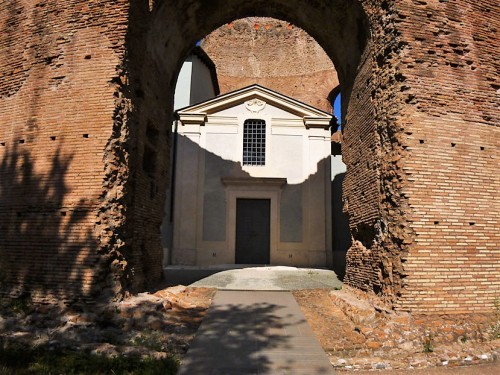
point(253, 96)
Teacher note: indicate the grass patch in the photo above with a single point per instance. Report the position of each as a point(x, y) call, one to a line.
point(18, 359)
point(151, 340)
point(428, 343)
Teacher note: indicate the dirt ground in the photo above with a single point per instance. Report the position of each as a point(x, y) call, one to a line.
point(165, 322)
point(380, 345)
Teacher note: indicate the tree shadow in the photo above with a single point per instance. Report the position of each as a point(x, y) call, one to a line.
point(47, 252)
point(249, 338)
point(201, 173)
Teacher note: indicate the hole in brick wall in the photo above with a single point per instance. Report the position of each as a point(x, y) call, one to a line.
point(472, 223)
point(88, 57)
point(2, 144)
point(21, 141)
point(53, 137)
point(421, 141)
point(436, 222)
point(399, 77)
point(453, 144)
point(85, 135)
point(63, 213)
point(482, 148)
point(380, 60)
point(409, 99)
point(364, 233)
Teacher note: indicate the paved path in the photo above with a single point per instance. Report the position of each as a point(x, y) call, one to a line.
point(255, 332)
point(254, 278)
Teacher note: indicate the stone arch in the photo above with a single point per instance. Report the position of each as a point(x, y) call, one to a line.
point(352, 34)
point(99, 88)
point(342, 29)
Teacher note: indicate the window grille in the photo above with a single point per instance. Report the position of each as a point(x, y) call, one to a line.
point(254, 142)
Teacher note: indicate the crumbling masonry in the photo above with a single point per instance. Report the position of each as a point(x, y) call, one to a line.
point(87, 86)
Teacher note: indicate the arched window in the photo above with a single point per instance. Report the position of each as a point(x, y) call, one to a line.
point(254, 142)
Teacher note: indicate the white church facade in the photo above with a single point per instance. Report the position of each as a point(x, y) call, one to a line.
point(252, 182)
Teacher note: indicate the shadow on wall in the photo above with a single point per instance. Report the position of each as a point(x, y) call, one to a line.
point(340, 222)
point(45, 251)
point(293, 218)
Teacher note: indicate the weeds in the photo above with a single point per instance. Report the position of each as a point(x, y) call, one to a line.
point(495, 326)
point(428, 346)
point(19, 359)
point(21, 305)
point(151, 340)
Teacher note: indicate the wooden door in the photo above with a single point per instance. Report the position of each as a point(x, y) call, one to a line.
point(253, 231)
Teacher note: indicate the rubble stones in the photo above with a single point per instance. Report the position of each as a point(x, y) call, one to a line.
point(138, 325)
point(371, 337)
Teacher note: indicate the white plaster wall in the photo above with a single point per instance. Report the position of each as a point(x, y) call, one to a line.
point(338, 166)
point(182, 97)
point(300, 155)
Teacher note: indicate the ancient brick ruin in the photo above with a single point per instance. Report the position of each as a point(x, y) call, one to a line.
point(87, 87)
point(273, 54)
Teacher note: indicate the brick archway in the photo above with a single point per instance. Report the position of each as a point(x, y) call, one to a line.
point(350, 33)
point(80, 213)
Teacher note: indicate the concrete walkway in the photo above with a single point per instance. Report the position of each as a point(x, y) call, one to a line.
point(255, 332)
point(247, 277)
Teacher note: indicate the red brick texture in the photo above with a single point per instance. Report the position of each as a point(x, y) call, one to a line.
point(452, 137)
point(274, 54)
point(57, 102)
point(86, 93)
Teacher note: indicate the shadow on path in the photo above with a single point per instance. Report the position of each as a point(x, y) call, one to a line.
point(248, 332)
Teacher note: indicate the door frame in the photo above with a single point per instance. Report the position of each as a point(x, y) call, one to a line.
point(258, 188)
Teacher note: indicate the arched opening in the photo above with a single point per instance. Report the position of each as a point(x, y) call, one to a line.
point(343, 31)
point(282, 57)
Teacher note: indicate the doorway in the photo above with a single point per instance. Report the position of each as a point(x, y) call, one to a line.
point(253, 231)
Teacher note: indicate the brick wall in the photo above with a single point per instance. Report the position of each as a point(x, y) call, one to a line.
point(57, 61)
point(275, 54)
point(86, 92)
point(453, 139)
